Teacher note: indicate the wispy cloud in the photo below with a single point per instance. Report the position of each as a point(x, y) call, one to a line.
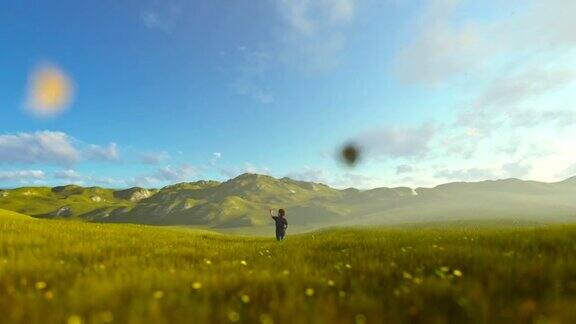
point(102, 153)
point(447, 45)
point(404, 168)
point(309, 174)
point(216, 156)
point(177, 174)
point(470, 174)
point(309, 38)
point(154, 158)
point(68, 175)
point(515, 78)
point(315, 32)
point(232, 172)
point(167, 174)
point(251, 73)
point(163, 16)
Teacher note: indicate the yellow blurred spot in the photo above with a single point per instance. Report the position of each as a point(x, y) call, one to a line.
point(309, 292)
point(457, 273)
point(49, 295)
point(243, 262)
point(50, 91)
point(197, 285)
point(266, 319)
point(233, 316)
point(331, 283)
point(74, 319)
point(158, 294)
point(40, 285)
point(245, 299)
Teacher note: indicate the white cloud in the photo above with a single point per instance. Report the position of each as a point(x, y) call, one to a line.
point(102, 153)
point(22, 176)
point(51, 148)
point(43, 147)
point(309, 174)
point(176, 174)
point(396, 142)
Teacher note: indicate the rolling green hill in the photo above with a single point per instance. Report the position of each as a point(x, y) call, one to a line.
point(7, 215)
point(244, 201)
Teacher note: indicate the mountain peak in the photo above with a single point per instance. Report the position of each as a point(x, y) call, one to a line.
point(252, 177)
point(249, 175)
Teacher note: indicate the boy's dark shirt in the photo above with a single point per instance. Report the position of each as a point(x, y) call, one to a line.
point(281, 223)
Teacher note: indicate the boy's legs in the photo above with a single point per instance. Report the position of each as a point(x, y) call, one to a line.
point(280, 235)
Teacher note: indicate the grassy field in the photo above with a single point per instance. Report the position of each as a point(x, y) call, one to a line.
point(72, 272)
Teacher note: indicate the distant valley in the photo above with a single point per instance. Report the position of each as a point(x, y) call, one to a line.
point(245, 200)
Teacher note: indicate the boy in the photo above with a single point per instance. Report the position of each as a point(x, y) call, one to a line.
point(281, 223)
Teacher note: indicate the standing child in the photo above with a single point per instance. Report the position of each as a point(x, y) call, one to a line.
point(281, 223)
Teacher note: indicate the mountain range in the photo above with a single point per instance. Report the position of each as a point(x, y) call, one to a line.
point(245, 200)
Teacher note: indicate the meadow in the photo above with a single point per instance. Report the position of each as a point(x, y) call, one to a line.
point(54, 271)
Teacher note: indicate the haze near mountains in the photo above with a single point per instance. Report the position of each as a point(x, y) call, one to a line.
point(244, 201)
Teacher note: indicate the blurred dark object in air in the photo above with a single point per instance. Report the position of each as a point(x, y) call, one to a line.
point(350, 154)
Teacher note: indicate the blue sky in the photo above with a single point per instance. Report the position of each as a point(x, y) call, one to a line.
point(170, 91)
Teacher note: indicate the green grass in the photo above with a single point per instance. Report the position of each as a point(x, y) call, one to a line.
point(68, 271)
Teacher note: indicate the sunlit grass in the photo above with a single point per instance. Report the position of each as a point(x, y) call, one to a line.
point(73, 272)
